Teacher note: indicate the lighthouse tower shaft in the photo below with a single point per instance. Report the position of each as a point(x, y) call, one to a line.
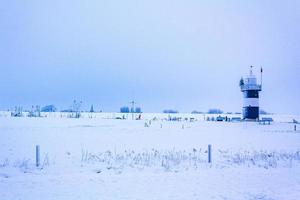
point(250, 90)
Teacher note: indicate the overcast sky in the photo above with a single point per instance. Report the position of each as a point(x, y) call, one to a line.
point(184, 55)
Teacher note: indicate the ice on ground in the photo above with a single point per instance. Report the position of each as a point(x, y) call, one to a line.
point(100, 157)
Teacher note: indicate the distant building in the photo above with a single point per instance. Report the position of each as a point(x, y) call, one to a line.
point(124, 109)
point(48, 108)
point(215, 111)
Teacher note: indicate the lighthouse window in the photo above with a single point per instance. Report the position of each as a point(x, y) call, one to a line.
point(251, 94)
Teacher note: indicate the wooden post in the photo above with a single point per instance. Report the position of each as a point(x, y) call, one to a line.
point(209, 153)
point(37, 155)
point(295, 127)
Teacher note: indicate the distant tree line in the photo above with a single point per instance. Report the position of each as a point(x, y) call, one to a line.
point(197, 112)
point(76, 108)
point(170, 111)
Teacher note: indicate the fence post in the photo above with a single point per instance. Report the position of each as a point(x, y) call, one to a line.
point(209, 153)
point(37, 155)
point(295, 127)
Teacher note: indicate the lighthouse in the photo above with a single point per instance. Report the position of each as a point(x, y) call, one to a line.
point(251, 89)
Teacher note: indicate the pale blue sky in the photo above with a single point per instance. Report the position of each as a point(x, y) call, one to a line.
point(185, 55)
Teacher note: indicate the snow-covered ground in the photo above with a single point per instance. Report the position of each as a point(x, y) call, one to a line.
point(100, 157)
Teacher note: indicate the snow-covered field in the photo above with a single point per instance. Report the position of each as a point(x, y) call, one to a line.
point(100, 157)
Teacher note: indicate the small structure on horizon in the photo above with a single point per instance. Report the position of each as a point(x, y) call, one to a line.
point(35, 111)
point(214, 111)
point(133, 110)
point(251, 89)
point(75, 110)
point(18, 112)
point(48, 108)
point(92, 108)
